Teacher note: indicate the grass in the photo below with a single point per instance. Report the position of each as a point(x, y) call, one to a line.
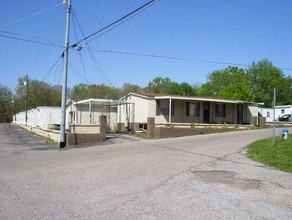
point(278, 156)
point(139, 134)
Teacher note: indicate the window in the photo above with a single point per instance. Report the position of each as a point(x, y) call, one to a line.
point(172, 108)
point(162, 107)
point(282, 111)
point(187, 109)
point(192, 109)
point(268, 114)
point(220, 110)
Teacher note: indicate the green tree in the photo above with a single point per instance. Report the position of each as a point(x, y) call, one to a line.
point(82, 91)
point(229, 83)
point(6, 105)
point(166, 86)
point(159, 85)
point(36, 93)
point(127, 87)
point(264, 77)
point(79, 92)
point(187, 90)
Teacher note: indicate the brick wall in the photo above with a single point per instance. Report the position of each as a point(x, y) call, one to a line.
point(170, 132)
point(154, 132)
point(254, 120)
point(74, 139)
point(262, 122)
point(82, 137)
point(151, 128)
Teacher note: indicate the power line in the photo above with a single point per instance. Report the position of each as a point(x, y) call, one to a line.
point(29, 16)
point(217, 9)
point(99, 70)
point(239, 30)
point(79, 51)
point(257, 7)
point(117, 22)
point(51, 68)
point(78, 73)
point(177, 58)
point(30, 41)
point(29, 36)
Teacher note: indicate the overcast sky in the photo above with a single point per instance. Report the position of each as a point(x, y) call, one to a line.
point(183, 40)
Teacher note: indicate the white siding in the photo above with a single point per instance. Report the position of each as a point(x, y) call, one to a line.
point(48, 116)
point(281, 110)
point(39, 117)
point(141, 108)
point(268, 113)
point(152, 108)
point(138, 109)
point(250, 111)
point(80, 114)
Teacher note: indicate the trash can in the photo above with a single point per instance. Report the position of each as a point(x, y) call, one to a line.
point(285, 133)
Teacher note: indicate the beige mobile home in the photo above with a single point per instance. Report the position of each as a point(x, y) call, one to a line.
point(168, 109)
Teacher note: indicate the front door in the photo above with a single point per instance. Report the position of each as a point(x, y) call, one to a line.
point(206, 113)
point(239, 113)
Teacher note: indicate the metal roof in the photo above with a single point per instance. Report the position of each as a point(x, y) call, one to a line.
point(94, 101)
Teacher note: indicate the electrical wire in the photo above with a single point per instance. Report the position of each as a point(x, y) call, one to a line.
point(79, 52)
point(30, 41)
point(29, 16)
point(177, 58)
point(99, 70)
point(220, 10)
point(257, 7)
point(117, 22)
point(52, 68)
point(84, 78)
point(240, 30)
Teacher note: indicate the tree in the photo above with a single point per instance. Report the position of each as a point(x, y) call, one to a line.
point(159, 85)
point(229, 83)
point(187, 90)
point(36, 93)
point(6, 105)
point(82, 91)
point(166, 86)
point(79, 92)
point(127, 87)
point(264, 77)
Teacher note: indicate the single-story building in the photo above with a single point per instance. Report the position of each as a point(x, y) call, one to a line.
point(87, 112)
point(133, 110)
point(42, 116)
point(167, 109)
point(279, 111)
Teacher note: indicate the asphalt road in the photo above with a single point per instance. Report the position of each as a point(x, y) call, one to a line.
point(198, 177)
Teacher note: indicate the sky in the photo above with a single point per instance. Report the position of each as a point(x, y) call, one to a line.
point(184, 40)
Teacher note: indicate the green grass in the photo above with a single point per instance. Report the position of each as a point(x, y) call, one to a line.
point(139, 134)
point(278, 156)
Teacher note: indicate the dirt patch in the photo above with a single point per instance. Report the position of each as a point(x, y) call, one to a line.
point(227, 178)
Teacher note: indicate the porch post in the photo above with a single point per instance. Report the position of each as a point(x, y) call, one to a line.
point(90, 111)
point(169, 113)
point(109, 115)
point(75, 115)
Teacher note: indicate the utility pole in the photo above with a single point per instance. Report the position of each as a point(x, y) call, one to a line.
point(65, 73)
point(25, 83)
